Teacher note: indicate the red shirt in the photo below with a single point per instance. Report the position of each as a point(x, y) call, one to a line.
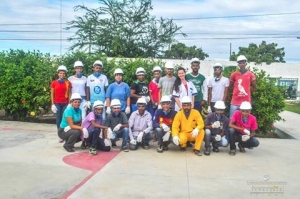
point(61, 91)
point(241, 87)
point(153, 89)
point(251, 124)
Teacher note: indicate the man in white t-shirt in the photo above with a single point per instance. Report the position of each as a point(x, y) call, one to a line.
point(217, 87)
point(96, 85)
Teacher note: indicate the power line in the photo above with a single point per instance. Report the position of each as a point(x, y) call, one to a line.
point(29, 24)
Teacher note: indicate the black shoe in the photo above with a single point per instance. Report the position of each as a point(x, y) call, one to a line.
point(114, 145)
point(207, 151)
point(197, 152)
point(216, 150)
point(83, 145)
point(232, 152)
point(182, 149)
point(160, 149)
point(69, 149)
point(166, 148)
point(146, 147)
point(242, 149)
point(188, 144)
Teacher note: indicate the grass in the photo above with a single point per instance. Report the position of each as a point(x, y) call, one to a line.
point(292, 106)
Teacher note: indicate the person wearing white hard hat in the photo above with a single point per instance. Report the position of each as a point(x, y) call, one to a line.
point(200, 83)
point(188, 126)
point(182, 88)
point(60, 94)
point(154, 90)
point(94, 124)
point(118, 90)
point(217, 87)
point(96, 86)
point(162, 124)
point(70, 128)
point(117, 124)
point(243, 83)
point(140, 126)
point(242, 127)
point(139, 89)
point(166, 83)
point(78, 85)
point(216, 124)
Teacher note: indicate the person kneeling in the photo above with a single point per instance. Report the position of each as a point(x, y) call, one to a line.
point(242, 129)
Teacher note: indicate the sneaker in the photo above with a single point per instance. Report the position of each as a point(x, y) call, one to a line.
point(232, 152)
point(182, 149)
point(83, 145)
point(93, 151)
point(146, 147)
point(166, 148)
point(160, 149)
point(242, 149)
point(125, 149)
point(69, 149)
point(207, 151)
point(216, 150)
point(197, 152)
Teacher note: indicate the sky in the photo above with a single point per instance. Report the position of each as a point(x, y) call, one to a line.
point(213, 25)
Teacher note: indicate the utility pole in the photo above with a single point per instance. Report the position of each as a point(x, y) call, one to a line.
point(229, 51)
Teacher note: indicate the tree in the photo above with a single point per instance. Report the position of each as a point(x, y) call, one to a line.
point(268, 53)
point(122, 28)
point(181, 51)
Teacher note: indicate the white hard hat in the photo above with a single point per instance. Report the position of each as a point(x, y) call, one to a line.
point(218, 65)
point(141, 100)
point(140, 71)
point(118, 71)
point(241, 58)
point(195, 59)
point(78, 64)
point(98, 104)
point(75, 96)
point(98, 62)
point(165, 98)
point(169, 64)
point(186, 99)
point(245, 106)
point(220, 105)
point(63, 68)
point(115, 103)
point(156, 68)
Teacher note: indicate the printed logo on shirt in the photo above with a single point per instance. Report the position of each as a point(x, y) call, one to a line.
point(92, 80)
point(97, 89)
point(144, 90)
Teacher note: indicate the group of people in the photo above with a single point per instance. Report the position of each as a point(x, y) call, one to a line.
point(168, 109)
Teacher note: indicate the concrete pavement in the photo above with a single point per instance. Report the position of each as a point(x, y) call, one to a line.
point(34, 165)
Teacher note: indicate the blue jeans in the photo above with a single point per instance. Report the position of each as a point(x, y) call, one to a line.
point(232, 109)
point(93, 137)
point(60, 111)
point(152, 110)
point(124, 133)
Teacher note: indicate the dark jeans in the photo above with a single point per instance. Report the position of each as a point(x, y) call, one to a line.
point(100, 145)
point(159, 135)
point(70, 137)
point(197, 106)
point(237, 137)
point(93, 137)
point(212, 106)
point(122, 133)
point(60, 111)
point(147, 137)
point(152, 110)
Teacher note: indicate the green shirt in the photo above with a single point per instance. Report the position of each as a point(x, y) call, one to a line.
point(198, 82)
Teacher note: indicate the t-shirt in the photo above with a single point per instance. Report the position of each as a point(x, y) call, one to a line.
point(237, 119)
point(153, 88)
point(70, 112)
point(61, 91)
point(87, 122)
point(121, 92)
point(166, 85)
point(198, 81)
point(112, 121)
point(218, 88)
point(241, 87)
point(211, 118)
point(141, 88)
point(78, 84)
point(97, 87)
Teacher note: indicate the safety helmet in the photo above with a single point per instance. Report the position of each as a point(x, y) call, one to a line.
point(141, 100)
point(98, 104)
point(62, 68)
point(140, 71)
point(118, 71)
point(186, 99)
point(241, 58)
point(195, 60)
point(220, 105)
point(98, 62)
point(115, 103)
point(78, 64)
point(245, 106)
point(75, 96)
point(169, 64)
point(218, 65)
point(165, 98)
point(156, 68)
